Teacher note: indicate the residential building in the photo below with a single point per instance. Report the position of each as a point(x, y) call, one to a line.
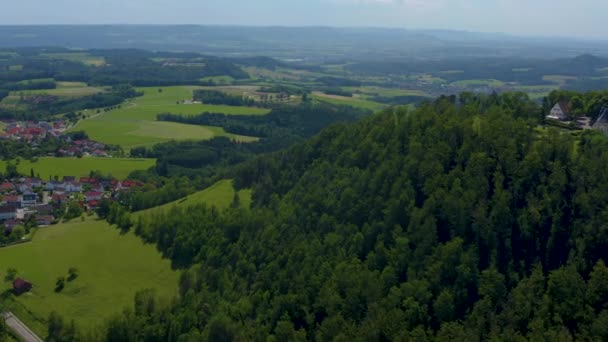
point(561, 111)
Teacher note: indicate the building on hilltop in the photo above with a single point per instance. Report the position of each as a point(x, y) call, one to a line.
point(561, 111)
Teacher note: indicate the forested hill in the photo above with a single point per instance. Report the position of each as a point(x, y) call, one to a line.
point(452, 222)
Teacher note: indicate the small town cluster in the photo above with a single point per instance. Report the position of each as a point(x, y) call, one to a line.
point(35, 132)
point(32, 132)
point(27, 199)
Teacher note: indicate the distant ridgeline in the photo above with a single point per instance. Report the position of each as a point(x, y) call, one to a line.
point(456, 221)
point(27, 69)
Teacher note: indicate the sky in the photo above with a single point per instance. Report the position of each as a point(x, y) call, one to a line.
point(576, 18)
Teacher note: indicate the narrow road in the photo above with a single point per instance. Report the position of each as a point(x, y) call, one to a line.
point(24, 333)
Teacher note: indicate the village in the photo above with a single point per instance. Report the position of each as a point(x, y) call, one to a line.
point(31, 202)
point(34, 133)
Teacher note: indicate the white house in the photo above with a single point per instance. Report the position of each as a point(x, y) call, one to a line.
point(72, 187)
point(561, 111)
point(28, 199)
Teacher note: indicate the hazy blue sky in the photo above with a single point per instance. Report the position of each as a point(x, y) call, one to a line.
point(584, 18)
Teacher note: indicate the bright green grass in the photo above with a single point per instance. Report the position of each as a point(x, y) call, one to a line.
point(478, 83)
point(80, 57)
point(134, 124)
point(349, 101)
point(219, 194)
point(558, 79)
point(80, 167)
point(389, 92)
point(430, 79)
point(112, 267)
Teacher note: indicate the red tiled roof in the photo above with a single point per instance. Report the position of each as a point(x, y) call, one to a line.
point(10, 198)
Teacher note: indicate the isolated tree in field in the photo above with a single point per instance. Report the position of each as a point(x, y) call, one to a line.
point(59, 284)
point(11, 274)
point(236, 201)
point(32, 172)
point(72, 273)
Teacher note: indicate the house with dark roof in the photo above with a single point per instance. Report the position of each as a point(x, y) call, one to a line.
point(12, 200)
point(561, 111)
point(8, 212)
point(21, 286)
point(28, 199)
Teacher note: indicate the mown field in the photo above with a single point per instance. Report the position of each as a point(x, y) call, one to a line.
point(354, 101)
point(79, 167)
point(112, 268)
point(65, 89)
point(134, 124)
point(220, 195)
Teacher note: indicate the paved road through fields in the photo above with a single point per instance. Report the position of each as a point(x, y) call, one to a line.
point(25, 334)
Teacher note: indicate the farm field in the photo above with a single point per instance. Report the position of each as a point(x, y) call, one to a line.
point(478, 83)
point(134, 124)
point(388, 92)
point(219, 194)
point(111, 269)
point(558, 79)
point(80, 167)
point(64, 89)
point(348, 101)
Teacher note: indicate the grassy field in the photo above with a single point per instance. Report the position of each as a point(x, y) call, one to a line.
point(478, 83)
point(348, 101)
point(79, 167)
point(388, 92)
point(134, 124)
point(219, 194)
point(112, 267)
point(65, 89)
point(558, 79)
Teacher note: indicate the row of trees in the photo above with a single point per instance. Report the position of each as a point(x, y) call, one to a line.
point(221, 98)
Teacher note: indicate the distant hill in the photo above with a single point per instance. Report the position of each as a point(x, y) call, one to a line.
point(296, 42)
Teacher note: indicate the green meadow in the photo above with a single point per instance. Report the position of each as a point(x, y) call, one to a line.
point(478, 83)
point(65, 89)
point(388, 92)
point(80, 167)
point(111, 269)
point(134, 124)
point(354, 101)
point(219, 194)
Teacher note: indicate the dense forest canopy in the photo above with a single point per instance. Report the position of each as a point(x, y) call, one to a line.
point(456, 221)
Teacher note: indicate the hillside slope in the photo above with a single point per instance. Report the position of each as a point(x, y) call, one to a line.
point(451, 222)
